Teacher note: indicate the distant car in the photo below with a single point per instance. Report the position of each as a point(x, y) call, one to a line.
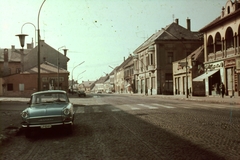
point(48, 109)
point(81, 93)
point(110, 92)
point(99, 91)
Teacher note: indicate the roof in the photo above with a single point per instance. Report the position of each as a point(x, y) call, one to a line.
point(14, 55)
point(46, 67)
point(125, 63)
point(102, 79)
point(88, 83)
point(219, 20)
point(175, 29)
point(195, 54)
point(50, 91)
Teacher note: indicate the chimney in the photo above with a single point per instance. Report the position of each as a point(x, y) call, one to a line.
point(13, 47)
point(123, 59)
point(188, 24)
point(5, 55)
point(176, 21)
point(29, 45)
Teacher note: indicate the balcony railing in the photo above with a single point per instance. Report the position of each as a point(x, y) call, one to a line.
point(136, 71)
point(151, 67)
point(230, 52)
point(219, 55)
point(211, 57)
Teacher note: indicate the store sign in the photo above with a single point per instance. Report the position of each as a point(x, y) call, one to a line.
point(230, 62)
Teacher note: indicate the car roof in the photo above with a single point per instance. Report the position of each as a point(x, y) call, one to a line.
point(50, 91)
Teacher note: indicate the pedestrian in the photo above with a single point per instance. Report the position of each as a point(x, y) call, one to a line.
point(146, 91)
point(222, 89)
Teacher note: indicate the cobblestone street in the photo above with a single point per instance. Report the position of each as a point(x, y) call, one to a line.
point(132, 127)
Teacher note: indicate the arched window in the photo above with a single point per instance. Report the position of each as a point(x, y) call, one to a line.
point(218, 42)
point(210, 45)
point(229, 38)
point(228, 9)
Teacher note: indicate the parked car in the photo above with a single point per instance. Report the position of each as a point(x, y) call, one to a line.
point(48, 109)
point(81, 93)
point(110, 92)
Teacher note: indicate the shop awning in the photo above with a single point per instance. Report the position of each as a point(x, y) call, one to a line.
point(205, 75)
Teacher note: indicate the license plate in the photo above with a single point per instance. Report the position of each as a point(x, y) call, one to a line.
point(46, 126)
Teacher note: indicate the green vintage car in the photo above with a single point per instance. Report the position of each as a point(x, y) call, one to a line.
point(48, 109)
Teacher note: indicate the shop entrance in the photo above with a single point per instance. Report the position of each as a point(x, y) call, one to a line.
point(214, 83)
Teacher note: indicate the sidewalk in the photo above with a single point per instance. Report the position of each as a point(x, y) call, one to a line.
point(213, 99)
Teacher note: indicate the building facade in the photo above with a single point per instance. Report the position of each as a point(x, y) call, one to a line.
point(25, 83)
point(18, 70)
point(193, 69)
point(222, 50)
point(153, 59)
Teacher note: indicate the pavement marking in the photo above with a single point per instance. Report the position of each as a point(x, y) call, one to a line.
point(115, 110)
point(130, 107)
point(80, 110)
point(96, 109)
point(156, 104)
point(150, 107)
point(134, 108)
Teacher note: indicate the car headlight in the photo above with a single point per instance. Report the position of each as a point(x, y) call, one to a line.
point(24, 114)
point(66, 111)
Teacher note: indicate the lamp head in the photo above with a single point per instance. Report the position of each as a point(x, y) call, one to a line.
point(22, 39)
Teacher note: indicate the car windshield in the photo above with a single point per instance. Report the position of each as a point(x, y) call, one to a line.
point(49, 98)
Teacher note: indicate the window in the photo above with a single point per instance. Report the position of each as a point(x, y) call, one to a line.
point(151, 59)
point(170, 57)
point(9, 87)
point(147, 61)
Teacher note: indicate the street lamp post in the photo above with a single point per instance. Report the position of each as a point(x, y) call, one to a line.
point(38, 30)
point(72, 73)
point(80, 73)
point(34, 28)
point(186, 65)
point(65, 51)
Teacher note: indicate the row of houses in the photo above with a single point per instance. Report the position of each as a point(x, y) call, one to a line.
point(19, 70)
point(178, 61)
point(175, 60)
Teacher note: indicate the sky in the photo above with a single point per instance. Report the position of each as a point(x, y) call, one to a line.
point(99, 33)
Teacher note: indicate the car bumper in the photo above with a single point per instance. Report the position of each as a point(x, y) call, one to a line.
point(51, 124)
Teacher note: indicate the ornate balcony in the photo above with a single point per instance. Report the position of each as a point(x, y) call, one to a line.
point(230, 52)
point(211, 57)
point(151, 68)
point(219, 55)
point(136, 72)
